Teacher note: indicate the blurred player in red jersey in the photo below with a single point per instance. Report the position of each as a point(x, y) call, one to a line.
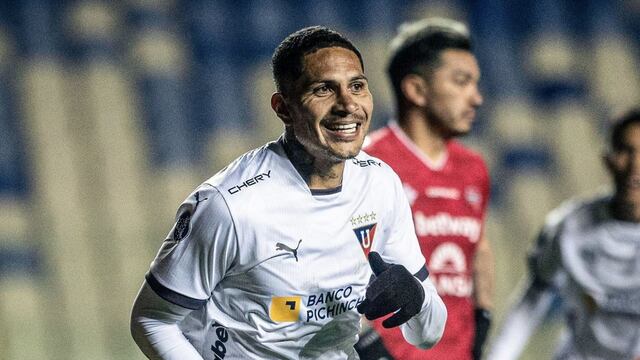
point(435, 76)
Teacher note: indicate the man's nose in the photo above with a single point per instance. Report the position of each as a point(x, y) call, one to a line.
point(476, 97)
point(345, 102)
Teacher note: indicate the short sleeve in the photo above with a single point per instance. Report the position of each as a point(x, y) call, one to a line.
point(401, 245)
point(544, 258)
point(199, 250)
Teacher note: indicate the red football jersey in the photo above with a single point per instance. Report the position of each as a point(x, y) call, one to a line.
point(448, 200)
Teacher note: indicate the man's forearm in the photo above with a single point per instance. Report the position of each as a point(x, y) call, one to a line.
point(154, 327)
point(425, 329)
point(484, 276)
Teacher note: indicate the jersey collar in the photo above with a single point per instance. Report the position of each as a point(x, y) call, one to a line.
point(413, 148)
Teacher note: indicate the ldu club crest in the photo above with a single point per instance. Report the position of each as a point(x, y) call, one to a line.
point(365, 230)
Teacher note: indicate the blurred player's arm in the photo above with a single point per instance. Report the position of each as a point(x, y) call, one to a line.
point(154, 327)
point(521, 322)
point(484, 293)
point(538, 298)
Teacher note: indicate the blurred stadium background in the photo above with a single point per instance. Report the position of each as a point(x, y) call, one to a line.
point(112, 112)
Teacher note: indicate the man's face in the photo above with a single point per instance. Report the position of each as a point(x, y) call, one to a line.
point(624, 164)
point(330, 104)
point(453, 95)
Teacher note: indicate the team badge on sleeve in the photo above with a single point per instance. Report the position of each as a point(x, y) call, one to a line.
point(182, 226)
point(473, 197)
point(365, 230)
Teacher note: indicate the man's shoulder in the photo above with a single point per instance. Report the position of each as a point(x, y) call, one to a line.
point(364, 160)
point(459, 150)
point(378, 140)
point(582, 210)
point(373, 170)
point(248, 170)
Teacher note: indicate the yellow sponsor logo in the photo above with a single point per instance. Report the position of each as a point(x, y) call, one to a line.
point(285, 308)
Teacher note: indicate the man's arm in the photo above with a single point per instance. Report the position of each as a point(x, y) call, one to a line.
point(425, 329)
point(422, 314)
point(484, 275)
point(411, 299)
point(154, 327)
point(484, 285)
point(197, 253)
point(522, 321)
point(545, 277)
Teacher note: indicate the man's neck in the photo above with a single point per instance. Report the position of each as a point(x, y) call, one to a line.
point(625, 210)
point(318, 173)
point(423, 134)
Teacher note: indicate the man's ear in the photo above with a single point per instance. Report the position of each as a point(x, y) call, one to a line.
point(280, 107)
point(415, 90)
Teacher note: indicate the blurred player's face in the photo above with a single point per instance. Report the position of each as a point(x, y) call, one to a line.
point(452, 93)
point(624, 165)
point(330, 105)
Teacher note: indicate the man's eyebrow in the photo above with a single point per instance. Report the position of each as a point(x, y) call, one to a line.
point(359, 77)
point(464, 72)
point(333, 81)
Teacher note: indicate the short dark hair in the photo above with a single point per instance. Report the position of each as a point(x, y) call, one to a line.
point(620, 125)
point(417, 46)
point(287, 59)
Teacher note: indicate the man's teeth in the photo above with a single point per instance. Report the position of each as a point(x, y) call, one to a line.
point(350, 128)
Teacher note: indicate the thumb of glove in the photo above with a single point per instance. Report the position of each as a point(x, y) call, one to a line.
point(377, 264)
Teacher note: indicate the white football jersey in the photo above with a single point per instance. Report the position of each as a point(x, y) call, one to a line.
point(592, 261)
point(273, 269)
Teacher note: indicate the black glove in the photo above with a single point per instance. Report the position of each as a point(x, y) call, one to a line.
point(483, 322)
point(370, 346)
point(393, 289)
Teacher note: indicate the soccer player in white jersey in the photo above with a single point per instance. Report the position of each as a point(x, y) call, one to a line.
point(588, 255)
point(273, 257)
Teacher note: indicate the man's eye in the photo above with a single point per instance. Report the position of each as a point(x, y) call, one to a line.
point(321, 90)
point(461, 81)
point(357, 86)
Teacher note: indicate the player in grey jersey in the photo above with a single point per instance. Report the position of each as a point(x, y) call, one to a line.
point(588, 255)
point(273, 257)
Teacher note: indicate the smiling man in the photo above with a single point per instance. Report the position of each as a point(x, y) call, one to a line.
point(273, 257)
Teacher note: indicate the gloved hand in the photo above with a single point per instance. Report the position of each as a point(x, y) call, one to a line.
point(371, 347)
point(393, 289)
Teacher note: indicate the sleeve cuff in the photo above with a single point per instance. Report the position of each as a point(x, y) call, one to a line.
point(422, 274)
point(172, 296)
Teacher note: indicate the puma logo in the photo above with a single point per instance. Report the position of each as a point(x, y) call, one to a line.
point(281, 246)
point(198, 201)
